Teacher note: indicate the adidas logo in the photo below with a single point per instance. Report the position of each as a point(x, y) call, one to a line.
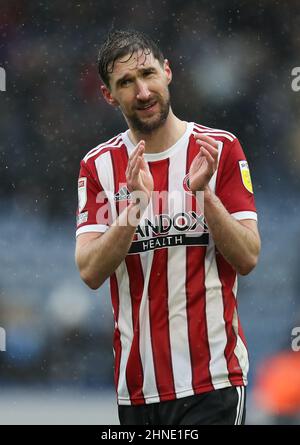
point(123, 194)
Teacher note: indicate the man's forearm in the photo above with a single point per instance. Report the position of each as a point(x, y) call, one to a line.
point(100, 257)
point(238, 244)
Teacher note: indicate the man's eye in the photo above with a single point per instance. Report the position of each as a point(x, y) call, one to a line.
point(148, 73)
point(125, 82)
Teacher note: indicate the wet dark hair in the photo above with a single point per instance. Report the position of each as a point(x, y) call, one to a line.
point(120, 43)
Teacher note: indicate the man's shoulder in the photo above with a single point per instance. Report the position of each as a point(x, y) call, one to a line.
point(111, 144)
point(216, 133)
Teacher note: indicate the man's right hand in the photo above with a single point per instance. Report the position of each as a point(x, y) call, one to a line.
point(138, 175)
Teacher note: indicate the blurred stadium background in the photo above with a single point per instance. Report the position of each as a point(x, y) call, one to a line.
point(232, 63)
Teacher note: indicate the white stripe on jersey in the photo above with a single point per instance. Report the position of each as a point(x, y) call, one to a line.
point(126, 327)
point(118, 143)
point(105, 173)
point(178, 321)
point(244, 215)
point(216, 330)
point(103, 144)
point(210, 129)
point(217, 336)
point(149, 384)
point(205, 133)
point(101, 228)
point(213, 133)
point(240, 349)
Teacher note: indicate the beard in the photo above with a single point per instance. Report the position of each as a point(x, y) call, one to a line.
point(149, 124)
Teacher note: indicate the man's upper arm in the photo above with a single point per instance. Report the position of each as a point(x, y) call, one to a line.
point(84, 238)
point(252, 225)
point(93, 212)
point(81, 241)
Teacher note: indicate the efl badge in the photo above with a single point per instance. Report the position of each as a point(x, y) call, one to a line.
point(82, 194)
point(245, 173)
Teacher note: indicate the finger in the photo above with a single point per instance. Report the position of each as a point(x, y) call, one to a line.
point(197, 158)
point(207, 145)
point(144, 165)
point(136, 169)
point(131, 162)
point(206, 138)
point(212, 150)
point(136, 149)
point(139, 152)
point(210, 160)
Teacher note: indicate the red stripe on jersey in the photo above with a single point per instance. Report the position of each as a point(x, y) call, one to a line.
point(117, 342)
point(196, 303)
point(134, 368)
point(124, 156)
point(158, 298)
point(227, 277)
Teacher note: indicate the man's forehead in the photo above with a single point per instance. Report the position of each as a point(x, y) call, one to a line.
point(135, 61)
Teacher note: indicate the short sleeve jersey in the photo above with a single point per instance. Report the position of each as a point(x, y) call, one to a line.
point(174, 296)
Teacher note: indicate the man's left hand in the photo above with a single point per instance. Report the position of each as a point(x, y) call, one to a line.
point(204, 164)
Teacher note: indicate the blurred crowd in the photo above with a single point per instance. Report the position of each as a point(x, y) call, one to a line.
point(232, 63)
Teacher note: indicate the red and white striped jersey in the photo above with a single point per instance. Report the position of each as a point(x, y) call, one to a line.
point(177, 331)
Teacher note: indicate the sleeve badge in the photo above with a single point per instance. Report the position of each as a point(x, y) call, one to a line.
point(245, 174)
point(82, 194)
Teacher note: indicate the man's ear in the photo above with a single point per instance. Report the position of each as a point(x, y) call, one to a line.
point(168, 70)
point(108, 96)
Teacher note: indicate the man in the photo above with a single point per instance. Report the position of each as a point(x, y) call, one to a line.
point(180, 354)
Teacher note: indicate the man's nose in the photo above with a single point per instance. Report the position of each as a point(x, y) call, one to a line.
point(143, 92)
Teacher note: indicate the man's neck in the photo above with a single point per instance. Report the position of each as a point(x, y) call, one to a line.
point(162, 138)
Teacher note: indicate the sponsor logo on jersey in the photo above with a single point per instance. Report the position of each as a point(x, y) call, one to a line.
point(168, 241)
point(245, 173)
point(180, 222)
point(164, 224)
point(122, 195)
point(82, 194)
point(182, 229)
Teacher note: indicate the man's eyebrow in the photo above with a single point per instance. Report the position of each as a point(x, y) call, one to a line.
point(140, 70)
point(119, 81)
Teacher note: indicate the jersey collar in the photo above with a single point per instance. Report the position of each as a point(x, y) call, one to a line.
point(163, 154)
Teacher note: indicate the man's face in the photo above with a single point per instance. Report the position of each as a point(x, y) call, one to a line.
point(139, 86)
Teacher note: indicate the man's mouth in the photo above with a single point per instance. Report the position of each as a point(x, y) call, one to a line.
point(147, 107)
